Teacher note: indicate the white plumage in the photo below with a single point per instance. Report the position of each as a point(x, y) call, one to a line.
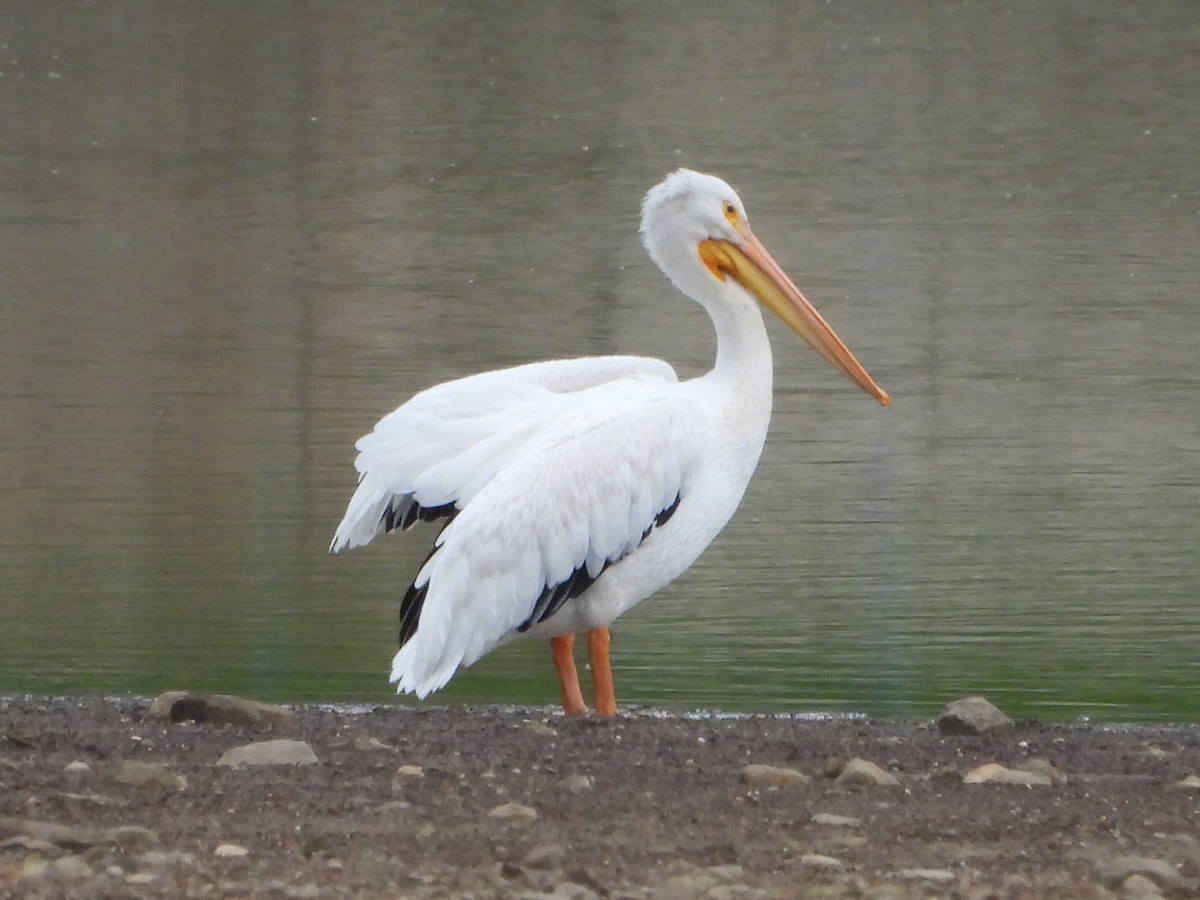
point(576, 488)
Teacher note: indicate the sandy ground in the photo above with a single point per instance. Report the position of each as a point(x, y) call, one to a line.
point(99, 800)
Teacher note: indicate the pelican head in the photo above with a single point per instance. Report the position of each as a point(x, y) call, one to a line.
point(695, 229)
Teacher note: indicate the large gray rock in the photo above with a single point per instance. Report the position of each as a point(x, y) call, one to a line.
point(219, 709)
point(973, 716)
point(269, 753)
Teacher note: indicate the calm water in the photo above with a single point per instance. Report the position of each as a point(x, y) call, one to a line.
point(234, 235)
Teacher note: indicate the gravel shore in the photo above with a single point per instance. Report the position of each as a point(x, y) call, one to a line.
point(119, 798)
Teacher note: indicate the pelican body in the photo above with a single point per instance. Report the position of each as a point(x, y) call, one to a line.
point(573, 489)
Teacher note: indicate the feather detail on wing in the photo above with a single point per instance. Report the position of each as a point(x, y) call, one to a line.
point(579, 498)
point(428, 458)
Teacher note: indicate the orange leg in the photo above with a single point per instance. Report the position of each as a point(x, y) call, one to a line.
point(568, 679)
point(606, 695)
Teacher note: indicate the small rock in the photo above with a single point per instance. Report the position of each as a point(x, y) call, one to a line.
point(1043, 767)
point(410, 771)
point(269, 753)
point(218, 709)
point(141, 878)
point(1190, 783)
point(760, 776)
point(155, 776)
point(69, 867)
point(994, 773)
point(512, 811)
point(24, 842)
point(862, 771)
point(820, 861)
point(548, 856)
point(32, 867)
point(368, 744)
point(577, 784)
point(972, 716)
point(1116, 871)
point(927, 874)
point(77, 768)
point(231, 851)
point(71, 837)
point(836, 820)
point(1140, 886)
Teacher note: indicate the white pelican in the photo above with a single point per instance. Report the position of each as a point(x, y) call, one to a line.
point(575, 488)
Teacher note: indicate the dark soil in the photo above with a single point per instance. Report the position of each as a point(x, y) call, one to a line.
point(525, 803)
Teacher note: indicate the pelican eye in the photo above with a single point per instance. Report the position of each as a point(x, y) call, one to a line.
point(731, 215)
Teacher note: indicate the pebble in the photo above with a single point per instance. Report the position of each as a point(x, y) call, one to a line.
point(578, 784)
point(231, 851)
point(75, 838)
point(973, 716)
point(33, 867)
point(761, 776)
point(1117, 870)
point(368, 744)
point(410, 771)
point(1191, 783)
point(836, 820)
point(547, 856)
point(24, 842)
point(77, 767)
point(69, 867)
point(863, 771)
point(1139, 886)
point(994, 773)
point(136, 773)
point(694, 883)
point(281, 752)
point(927, 874)
point(821, 861)
point(512, 811)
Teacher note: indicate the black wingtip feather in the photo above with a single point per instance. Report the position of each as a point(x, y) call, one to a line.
point(405, 512)
point(549, 602)
point(553, 597)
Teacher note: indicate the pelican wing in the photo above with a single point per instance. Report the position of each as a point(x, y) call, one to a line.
point(429, 457)
point(582, 495)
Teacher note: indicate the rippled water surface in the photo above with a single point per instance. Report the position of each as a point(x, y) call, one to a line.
point(234, 235)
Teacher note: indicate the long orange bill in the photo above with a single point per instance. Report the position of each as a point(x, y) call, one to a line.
point(751, 266)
